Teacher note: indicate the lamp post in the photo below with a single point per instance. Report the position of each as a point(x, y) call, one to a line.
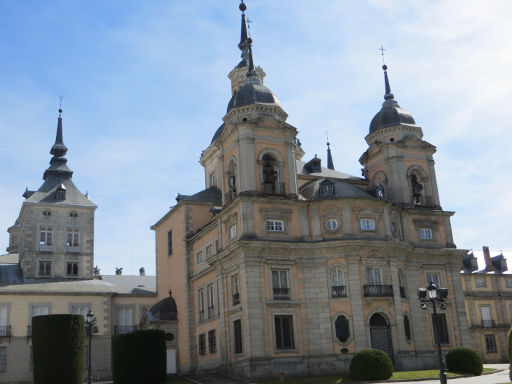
point(90, 325)
point(435, 295)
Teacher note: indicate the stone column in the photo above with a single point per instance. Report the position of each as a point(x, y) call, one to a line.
point(356, 299)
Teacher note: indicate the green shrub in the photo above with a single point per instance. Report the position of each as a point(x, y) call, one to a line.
point(58, 343)
point(464, 360)
point(139, 357)
point(509, 342)
point(371, 364)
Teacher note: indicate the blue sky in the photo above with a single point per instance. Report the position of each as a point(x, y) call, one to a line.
point(145, 87)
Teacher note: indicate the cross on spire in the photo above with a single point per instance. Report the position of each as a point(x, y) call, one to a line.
point(249, 21)
point(382, 49)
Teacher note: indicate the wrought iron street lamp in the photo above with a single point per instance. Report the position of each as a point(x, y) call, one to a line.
point(90, 326)
point(435, 295)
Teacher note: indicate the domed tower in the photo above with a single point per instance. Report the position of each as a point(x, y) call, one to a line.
point(253, 152)
point(397, 158)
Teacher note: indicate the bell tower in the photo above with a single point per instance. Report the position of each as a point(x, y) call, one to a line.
point(254, 151)
point(397, 158)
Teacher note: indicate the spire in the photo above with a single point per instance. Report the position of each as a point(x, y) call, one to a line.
point(58, 167)
point(388, 95)
point(244, 44)
point(330, 163)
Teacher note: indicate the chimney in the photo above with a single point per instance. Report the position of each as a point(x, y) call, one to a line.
point(487, 257)
point(142, 271)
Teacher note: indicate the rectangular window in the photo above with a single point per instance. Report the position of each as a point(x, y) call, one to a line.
point(169, 243)
point(232, 232)
point(217, 245)
point(490, 343)
point(280, 287)
point(200, 303)
point(237, 333)
point(73, 238)
point(211, 302)
point(4, 321)
point(79, 310)
point(235, 290)
point(509, 283)
point(45, 268)
point(433, 277)
point(443, 328)
point(124, 320)
point(212, 344)
point(3, 359)
point(367, 224)
point(213, 180)
point(284, 332)
point(208, 250)
point(202, 344)
point(373, 276)
point(480, 282)
point(485, 313)
point(275, 225)
point(425, 234)
point(72, 268)
point(199, 257)
point(46, 236)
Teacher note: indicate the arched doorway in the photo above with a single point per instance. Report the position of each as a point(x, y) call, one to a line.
point(380, 334)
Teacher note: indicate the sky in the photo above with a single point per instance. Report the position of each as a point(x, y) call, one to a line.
point(144, 87)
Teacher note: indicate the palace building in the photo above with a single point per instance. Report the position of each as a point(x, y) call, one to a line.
point(49, 269)
point(282, 265)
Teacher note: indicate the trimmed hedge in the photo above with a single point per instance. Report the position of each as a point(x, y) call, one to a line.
point(371, 364)
point(58, 343)
point(139, 357)
point(464, 360)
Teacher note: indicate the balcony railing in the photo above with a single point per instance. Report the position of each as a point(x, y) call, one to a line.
point(45, 248)
point(378, 290)
point(122, 329)
point(231, 194)
point(5, 330)
point(402, 292)
point(281, 293)
point(236, 298)
point(272, 188)
point(488, 324)
point(339, 291)
point(211, 312)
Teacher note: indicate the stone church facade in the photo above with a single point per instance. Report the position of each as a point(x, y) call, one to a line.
point(283, 265)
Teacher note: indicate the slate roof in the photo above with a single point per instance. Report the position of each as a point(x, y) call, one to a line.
point(124, 285)
point(342, 189)
point(164, 310)
point(253, 93)
point(325, 172)
point(209, 195)
point(47, 194)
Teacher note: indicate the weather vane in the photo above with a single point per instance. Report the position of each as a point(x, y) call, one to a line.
point(381, 49)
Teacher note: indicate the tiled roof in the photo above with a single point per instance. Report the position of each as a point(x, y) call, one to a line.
point(209, 195)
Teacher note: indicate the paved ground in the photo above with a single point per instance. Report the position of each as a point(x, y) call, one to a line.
point(495, 378)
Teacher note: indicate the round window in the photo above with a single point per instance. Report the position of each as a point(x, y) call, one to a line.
point(332, 224)
point(169, 336)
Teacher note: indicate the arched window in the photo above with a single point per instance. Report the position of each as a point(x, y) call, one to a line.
point(269, 173)
point(231, 180)
point(342, 328)
point(407, 328)
point(417, 189)
point(401, 283)
point(338, 286)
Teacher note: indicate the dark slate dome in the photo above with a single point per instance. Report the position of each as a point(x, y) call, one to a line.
point(164, 310)
point(390, 114)
point(253, 93)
